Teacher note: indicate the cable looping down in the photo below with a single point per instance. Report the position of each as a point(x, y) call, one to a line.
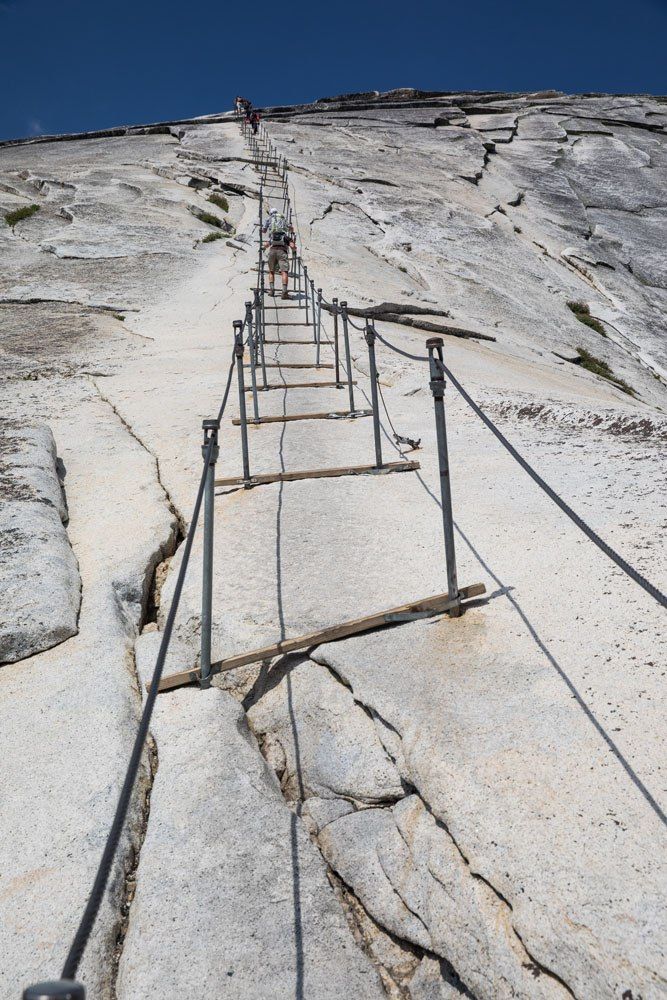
point(615, 557)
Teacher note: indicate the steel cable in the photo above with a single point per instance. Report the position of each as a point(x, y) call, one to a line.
point(611, 553)
point(87, 922)
point(615, 557)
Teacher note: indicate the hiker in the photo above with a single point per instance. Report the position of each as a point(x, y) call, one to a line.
point(280, 239)
point(243, 106)
point(254, 121)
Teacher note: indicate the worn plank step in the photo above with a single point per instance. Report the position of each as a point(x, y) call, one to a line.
point(288, 364)
point(335, 473)
point(303, 385)
point(284, 418)
point(425, 608)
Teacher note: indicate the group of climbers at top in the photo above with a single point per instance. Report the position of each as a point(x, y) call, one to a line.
point(278, 231)
point(245, 109)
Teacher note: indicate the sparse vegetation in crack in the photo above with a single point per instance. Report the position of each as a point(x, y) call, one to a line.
point(599, 367)
point(219, 200)
point(19, 214)
point(583, 313)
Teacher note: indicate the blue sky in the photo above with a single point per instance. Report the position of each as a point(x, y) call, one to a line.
point(70, 65)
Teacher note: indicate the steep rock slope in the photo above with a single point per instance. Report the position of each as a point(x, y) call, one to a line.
point(482, 798)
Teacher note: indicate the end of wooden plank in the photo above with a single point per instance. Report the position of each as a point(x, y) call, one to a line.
point(173, 681)
point(472, 590)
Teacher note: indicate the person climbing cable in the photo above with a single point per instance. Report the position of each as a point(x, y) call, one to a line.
point(280, 239)
point(254, 121)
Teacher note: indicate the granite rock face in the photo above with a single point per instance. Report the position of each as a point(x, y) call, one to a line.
point(447, 808)
point(39, 576)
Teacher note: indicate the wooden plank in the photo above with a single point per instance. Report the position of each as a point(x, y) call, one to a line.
point(289, 322)
point(344, 470)
point(289, 364)
point(308, 343)
point(286, 417)
point(302, 385)
point(426, 607)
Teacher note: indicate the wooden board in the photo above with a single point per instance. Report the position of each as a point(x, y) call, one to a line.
point(344, 470)
point(307, 343)
point(302, 385)
point(288, 364)
point(289, 322)
point(425, 608)
point(286, 417)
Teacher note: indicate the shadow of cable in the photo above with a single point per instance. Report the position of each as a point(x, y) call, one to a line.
point(539, 642)
point(294, 816)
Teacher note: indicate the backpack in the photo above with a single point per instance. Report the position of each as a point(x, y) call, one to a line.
point(278, 231)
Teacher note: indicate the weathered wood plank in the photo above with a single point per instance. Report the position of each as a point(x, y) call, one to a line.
point(426, 607)
point(333, 473)
point(290, 364)
point(284, 418)
point(302, 385)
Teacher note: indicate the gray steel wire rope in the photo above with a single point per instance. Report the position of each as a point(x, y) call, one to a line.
point(91, 910)
point(615, 557)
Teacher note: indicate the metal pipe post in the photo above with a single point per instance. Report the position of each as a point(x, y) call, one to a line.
point(305, 283)
point(210, 455)
point(259, 337)
point(369, 334)
point(294, 267)
point(319, 326)
point(253, 359)
point(348, 358)
point(238, 351)
point(312, 302)
point(334, 302)
point(437, 386)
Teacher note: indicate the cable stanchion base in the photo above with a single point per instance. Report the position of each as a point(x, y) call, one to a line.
point(284, 418)
point(334, 473)
point(426, 608)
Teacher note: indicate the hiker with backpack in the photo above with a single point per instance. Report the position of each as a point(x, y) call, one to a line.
point(254, 122)
point(280, 239)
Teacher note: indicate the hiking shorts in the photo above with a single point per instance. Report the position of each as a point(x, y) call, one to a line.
point(277, 259)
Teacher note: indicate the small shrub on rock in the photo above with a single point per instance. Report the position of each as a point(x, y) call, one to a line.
point(210, 220)
point(213, 236)
point(11, 218)
point(599, 367)
point(583, 314)
point(220, 201)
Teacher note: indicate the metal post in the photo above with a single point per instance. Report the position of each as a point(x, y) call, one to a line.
point(305, 283)
point(259, 336)
point(238, 351)
point(294, 265)
point(348, 359)
point(318, 326)
point(210, 428)
point(369, 334)
point(63, 989)
point(253, 359)
point(437, 385)
point(312, 302)
point(298, 271)
point(336, 349)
